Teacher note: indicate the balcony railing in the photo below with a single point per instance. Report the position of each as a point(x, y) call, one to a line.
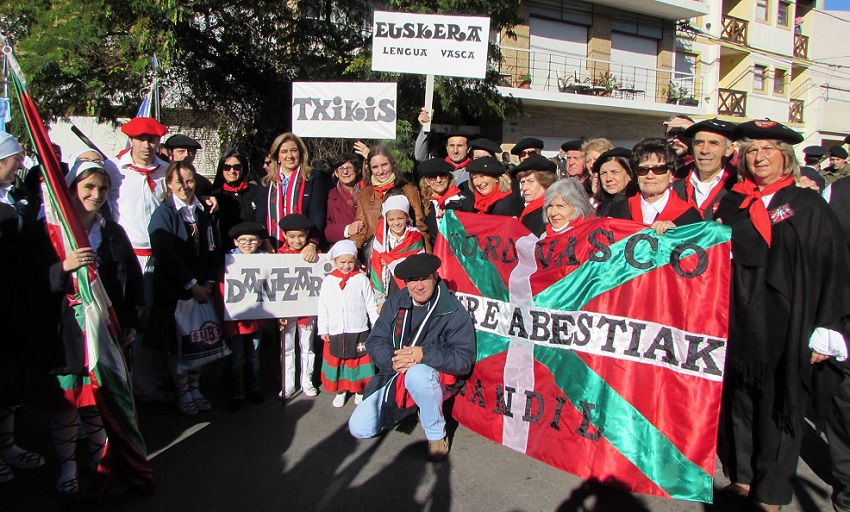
point(734, 30)
point(795, 111)
point(732, 103)
point(801, 46)
point(580, 75)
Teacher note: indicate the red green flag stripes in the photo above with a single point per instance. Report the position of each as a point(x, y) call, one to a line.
point(600, 350)
point(125, 456)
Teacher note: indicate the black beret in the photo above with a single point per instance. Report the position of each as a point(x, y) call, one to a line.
point(717, 126)
point(485, 144)
point(838, 152)
point(417, 266)
point(762, 129)
point(460, 132)
point(486, 165)
point(435, 167)
point(614, 152)
point(295, 221)
point(814, 151)
point(535, 163)
point(181, 141)
point(526, 143)
point(571, 145)
point(247, 228)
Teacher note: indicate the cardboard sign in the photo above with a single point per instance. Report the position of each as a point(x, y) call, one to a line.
point(350, 110)
point(272, 285)
point(430, 44)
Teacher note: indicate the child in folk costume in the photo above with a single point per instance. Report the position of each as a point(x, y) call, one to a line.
point(296, 230)
point(244, 335)
point(395, 240)
point(347, 306)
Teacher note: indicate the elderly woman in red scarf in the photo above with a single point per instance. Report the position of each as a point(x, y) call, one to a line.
point(384, 180)
point(535, 174)
point(437, 186)
point(787, 314)
point(565, 206)
point(491, 189)
point(292, 186)
point(653, 161)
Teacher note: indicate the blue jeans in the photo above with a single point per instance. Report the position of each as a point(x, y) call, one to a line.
point(245, 363)
point(423, 384)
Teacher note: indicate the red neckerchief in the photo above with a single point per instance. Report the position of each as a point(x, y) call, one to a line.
point(530, 207)
point(461, 165)
point(672, 210)
point(550, 231)
point(382, 189)
point(689, 187)
point(343, 278)
point(441, 199)
point(285, 249)
point(147, 173)
point(235, 190)
point(281, 203)
point(758, 211)
point(350, 198)
point(483, 203)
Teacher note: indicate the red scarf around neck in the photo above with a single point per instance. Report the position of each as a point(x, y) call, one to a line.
point(672, 210)
point(241, 187)
point(550, 231)
point(692, 198)
point(147, 173)
point(530, 207)
point(283, 202)
point(383, 189)
point(441, 199)
point(461, 165)
point(758, 211)
point(343, 278)
point(483, 203)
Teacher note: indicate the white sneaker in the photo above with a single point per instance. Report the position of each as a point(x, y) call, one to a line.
point(358, 397)
point(310, 391)
point(339, 399)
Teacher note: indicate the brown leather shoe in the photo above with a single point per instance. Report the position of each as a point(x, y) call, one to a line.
point(438, 450)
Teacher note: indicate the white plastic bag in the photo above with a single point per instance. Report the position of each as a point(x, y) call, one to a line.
point(200, 338)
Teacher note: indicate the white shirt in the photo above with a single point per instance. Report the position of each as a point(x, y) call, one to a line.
point(188, 211)
point(131, 200)
point(349, 310)
point(652, 210)
point(703, 188)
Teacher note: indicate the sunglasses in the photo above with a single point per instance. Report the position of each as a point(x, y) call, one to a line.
point(235, 167)
point(530, 152)
point(655, 169)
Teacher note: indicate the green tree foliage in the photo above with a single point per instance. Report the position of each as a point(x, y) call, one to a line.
point(232, 60)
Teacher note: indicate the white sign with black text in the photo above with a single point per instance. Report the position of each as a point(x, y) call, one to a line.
point(272, 285)
point(430, 44)
point(348, 110)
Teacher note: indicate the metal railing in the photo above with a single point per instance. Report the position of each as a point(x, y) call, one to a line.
point(801, 46)
point(732, 102)
point(580, 75)
point(795, 111)
point(734, 30)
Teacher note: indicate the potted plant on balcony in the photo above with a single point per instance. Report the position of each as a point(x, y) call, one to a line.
point(676, 93)
point(523, 81)
point(608, 81)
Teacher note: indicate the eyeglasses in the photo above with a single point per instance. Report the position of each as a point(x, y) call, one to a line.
point(655, 169)
point(346, 168)
point(93, 160)
point(247, 241)
point(235, 167)
point(529, 152)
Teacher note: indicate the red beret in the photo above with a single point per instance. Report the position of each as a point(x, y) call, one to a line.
point(139, 126)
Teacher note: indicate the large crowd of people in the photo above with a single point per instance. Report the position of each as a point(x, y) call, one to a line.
point(158, 233)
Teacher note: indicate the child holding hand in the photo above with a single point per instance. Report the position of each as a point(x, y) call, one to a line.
point(347, 307)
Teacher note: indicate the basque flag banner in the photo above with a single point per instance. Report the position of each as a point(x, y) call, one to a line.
point(600, 350)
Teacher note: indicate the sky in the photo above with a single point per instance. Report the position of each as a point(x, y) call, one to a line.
point(838, 5)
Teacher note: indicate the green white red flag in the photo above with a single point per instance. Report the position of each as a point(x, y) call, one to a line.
point(125, 457)
point(600, 350)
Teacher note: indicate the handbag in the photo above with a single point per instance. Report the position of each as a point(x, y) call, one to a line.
point(200, 337)
point(348, 345)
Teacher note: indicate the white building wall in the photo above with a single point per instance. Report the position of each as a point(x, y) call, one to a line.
point(828, 98)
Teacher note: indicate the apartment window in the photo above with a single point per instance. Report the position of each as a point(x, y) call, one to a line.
point(780, 76)
point(761, 10)
point(783, 19)
point(759, 76)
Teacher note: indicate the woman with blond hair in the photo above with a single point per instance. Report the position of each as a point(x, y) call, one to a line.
point(491, 189)
point(292, 186)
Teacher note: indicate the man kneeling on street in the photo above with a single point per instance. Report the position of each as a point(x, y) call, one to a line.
point(423, 345)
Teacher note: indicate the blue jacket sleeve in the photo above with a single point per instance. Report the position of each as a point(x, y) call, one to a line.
point(455, 352)
point(379, 345)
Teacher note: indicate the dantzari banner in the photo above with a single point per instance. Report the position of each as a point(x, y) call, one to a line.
point(272, 285)
point(430, 44)
point(596, 351)
point(344, 110)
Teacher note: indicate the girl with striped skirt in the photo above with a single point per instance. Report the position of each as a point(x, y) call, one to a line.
point(347, 307)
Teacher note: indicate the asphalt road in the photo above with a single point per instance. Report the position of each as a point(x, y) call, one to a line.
point(300, 457)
